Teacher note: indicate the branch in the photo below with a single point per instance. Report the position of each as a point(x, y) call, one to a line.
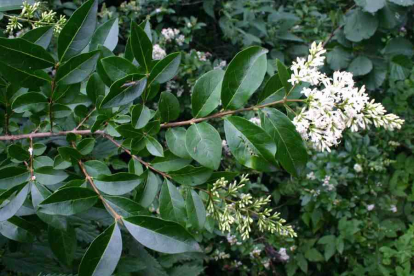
point(49, 134)
point(85, 119)
point(146, 164)
point(337, 29)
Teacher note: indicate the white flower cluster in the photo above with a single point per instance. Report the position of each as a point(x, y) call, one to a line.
point(283, 256)
point(221, 65)
point(158, 52)
point(334, 104)
point(255, 120)
point(326, 183)
point(173, 34)
point(203, 56)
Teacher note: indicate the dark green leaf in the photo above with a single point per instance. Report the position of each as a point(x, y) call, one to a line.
point(243, 76)
point(117, 184)
point(18, 229)
point(16, 151)
point(77, 68)
point(124, 91)
point(172, 205)
point(11, 201)
point(141, 115)
point(69, 201)
point(338, 58)
point(147, 191)
point(153, 146)
point(106, 35)
point(13, 176)
point(273, 89)
point(40, 36)
point(128, 131)
point(291, 151)
point(95, 89)
point(103, 254)
point(284, 76)
point(49, 176)
point(135, 167)
point(203, 143)
point(175, 140)
point(86, 146)
point(192, 176)
point(169, 107)
point(63, 244)
point(169, 162)
point(123, 206)
point(78, 31)
point(206, 93)
point(196, 211)
point(171, 237)
point(20, 53)
point(141, 46)
point(95, 168)
point(360, 66)
point(24, 77)
point(360, 25)
point(9, 5)
point(117, 67)
point(165, 69)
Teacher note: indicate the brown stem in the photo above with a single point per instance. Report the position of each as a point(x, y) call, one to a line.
point(337, 29)
point(146, 164)
point(117, 216)
point(31, 159)
point(49, 134)
point(85, 119)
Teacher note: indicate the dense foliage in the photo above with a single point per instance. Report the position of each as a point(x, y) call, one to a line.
point(128, 130)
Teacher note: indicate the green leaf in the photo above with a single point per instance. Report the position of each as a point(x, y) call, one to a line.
point(77, 68)
point(18, 229)
point(291, 151)
point(399, 46)
point(171, 237)
point(16, 151)
point(123, 206)
point(13, 176)
point(63, 244)
point(360, 66)
point(404, 3)
point(360, 26)
point(117, 67)
point(9, 5)
point(338, 58)
point(86, 146)
point(42, 161)
point(78, 31)
point(400, 67)
point(124, 91)
point(24, 77)
point(314, 255)
point(196, 211)
point(273, 86)
point(203, 143)
point(165, 69)
point(206, 93)
point(191, 176)
point(172, 205)
point(61, 111)
point(95, 89)
point(135, 167)
point(49, 176)
point(95, 168)
point(147, 191)
point(69, 201)
point(284, 76)
point(243, 76)
point(69, 153)
point(249, 143)
point(106, 35)
point(141, 115)
point(39, 149)
point(141, 46)
point(175, 140)
point(103, 254)
point(371, 6)
point(117, 184)
point(40, 36)
point(153, 146)
point(20, 53)
point(128, 131)
point(169, 162)
point(11, 201)
point(169, 107)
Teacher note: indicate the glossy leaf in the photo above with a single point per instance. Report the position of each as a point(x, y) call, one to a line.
point(161, 235)
point(69, 153)
point(95, 89)
point(360, 66)
point(49, 176)
point(175, 140)
point(206, 93)
point(128, 131)
point(135, 167)
point(165, 69)
point(191, 176)
point(106, 35)
point(172, 205)
point(153, 146)
point(11, 201)
point(21, 53)
point(95, 168)
point(284, 76)
point(117, 184)
point(291, 151)
point(141, 115)
point(123, 206)
point(196, 211)
point(243, 76)
point(249, 143)
point(40, 36)
point(360, 25)
point(78, 31)
point(16, 151)
point(103, 254)
point(77, 68)
point(69, 201)
point(24, 77)
point(13, 176)
point(63, 244)
point(18, 229)
point(141, 46)
point(147, 191)
point(124, 91)
point(169, 107)
point(86, 146)
point(117, 67)
point(169, 162)
point(203, 143)
point(32, 102)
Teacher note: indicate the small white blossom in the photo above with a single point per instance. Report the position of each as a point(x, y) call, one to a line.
point(33, 177)
point(370, 207)
point(326, 183)
point(393, 208)
point(283, 256)
point(158, 10)
point(221, 65)
point(158, 52)
point(311, 176)
point(255, 253)
point(358, 168)
point(255, 121)
point(30, 151)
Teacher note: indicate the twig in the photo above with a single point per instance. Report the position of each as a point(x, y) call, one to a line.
point(49, 134)
point(85, 119)
point(337, 29)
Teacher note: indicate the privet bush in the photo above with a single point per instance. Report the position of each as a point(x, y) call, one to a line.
point(89, 137)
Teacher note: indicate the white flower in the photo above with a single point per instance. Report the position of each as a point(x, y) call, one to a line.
point(370, 207)
point(30, 151)
point(283, 256)
point(255, 121)
point(231, 239)
point(158, 52)
point(358, 168)
point(201, 56)
point(33, 177)
point(311, 176)
point(169, 34)
point(326, 183)
point(221, 65)
point(255, 253)
point(158, 10)
point(393, 208)
point(334, 104)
